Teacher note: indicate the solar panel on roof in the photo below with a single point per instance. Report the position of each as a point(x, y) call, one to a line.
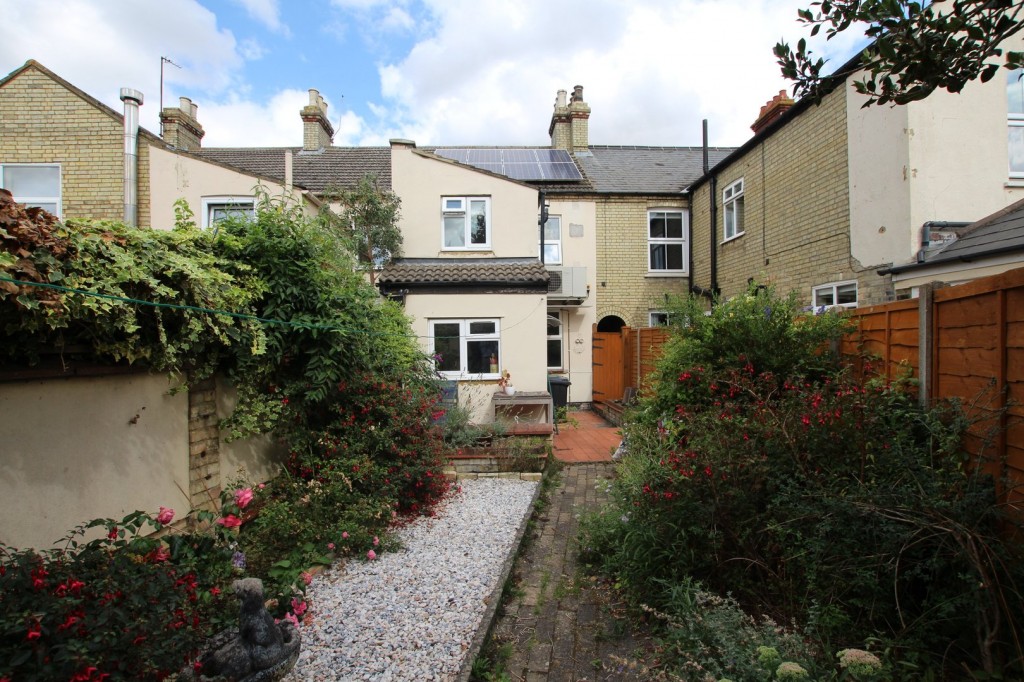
point(518, 163)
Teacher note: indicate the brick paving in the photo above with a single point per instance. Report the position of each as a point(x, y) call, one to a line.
point(560, 625)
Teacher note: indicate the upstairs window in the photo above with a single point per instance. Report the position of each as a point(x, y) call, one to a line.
point(1015, 121)
point(466, 222)
point(466, 347)
point(666, 240)
point(835, 294)
point(553, 240)
point(732, 203)
point(217, 209)
point(33, 184)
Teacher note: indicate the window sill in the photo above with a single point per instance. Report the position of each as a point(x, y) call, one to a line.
point(1014, 182)
point(463, 376)
point(732, 238)
point(667, 275)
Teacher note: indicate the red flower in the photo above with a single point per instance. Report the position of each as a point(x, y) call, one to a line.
point(35, 631)
point(214, 591)
point(113, 533)
point(230, 521)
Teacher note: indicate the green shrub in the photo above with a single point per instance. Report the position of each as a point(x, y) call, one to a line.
point(815, 500)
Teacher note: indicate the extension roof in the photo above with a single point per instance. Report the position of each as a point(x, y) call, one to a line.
point(506, 272)
point(646, 170)
point(331, 167)
point(994, 235)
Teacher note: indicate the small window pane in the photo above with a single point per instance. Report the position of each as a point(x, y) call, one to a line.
point(453, 204)
point(552, 254)
point(1016, 149)
point(1015, 91)
point(454, 231)
point(552, 230)
point(478, 222)
point(824, 297)
point(479, 355)
point(554, 353)
point(675, 256)
point(846, 293)
point(32, 181)
point(674, 225)
point(657, 226)
point(482, 328)
point(446, 344)
point(658, 260)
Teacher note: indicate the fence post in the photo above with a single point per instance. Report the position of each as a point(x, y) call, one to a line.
point(925, 343)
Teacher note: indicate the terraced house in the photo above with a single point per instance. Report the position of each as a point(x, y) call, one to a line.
point(840, 202)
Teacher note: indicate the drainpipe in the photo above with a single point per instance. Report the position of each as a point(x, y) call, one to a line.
point(543, 221)
point(132, 101)
point(713, 192)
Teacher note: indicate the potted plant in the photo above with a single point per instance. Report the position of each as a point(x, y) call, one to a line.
point(505, 383)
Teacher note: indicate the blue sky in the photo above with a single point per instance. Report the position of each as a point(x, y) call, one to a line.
point(439, 72)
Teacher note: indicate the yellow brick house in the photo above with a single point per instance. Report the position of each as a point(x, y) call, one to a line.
point(826, 198)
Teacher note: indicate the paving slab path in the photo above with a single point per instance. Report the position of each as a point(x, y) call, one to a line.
point(560, 625)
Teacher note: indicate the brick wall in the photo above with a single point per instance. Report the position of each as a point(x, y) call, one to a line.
point(203, 446)
point(623, 287)
point(797, 212)
point(42, 121)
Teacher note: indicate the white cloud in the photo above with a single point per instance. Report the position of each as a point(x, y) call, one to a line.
point(652, 70)
point(265, 12)
point(251, 49)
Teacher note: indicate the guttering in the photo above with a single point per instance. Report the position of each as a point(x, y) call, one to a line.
point(897, 269)
point(132, 101)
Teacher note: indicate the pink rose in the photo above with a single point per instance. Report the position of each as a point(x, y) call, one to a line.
point(291, 618)
point(230, 521)
point(344, 535)
point(165, 515)
point(262, 486)
point(371, 555)
point(307, 577)
point(375, 541)
point(299, 607)
point(243, 496)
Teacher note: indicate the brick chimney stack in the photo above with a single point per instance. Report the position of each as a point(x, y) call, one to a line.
point(569, 127)
point(772, 109)
point(180, 125)
point(317, 131)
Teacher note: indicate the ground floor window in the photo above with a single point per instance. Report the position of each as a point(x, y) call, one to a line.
point(658, 318)
point(555, 340)
point(465, 348)
point(216, 209)
point(842, 294)
point(33, 184)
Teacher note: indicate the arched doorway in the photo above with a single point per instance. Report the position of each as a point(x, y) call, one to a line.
point(610, 323)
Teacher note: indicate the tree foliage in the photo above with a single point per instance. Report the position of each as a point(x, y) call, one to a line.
point(371, 213)
point(916, 47)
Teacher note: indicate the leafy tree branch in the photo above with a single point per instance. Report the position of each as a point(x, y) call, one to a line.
point(916, 47)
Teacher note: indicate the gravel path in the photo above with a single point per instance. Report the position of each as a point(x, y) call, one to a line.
point(412, 614)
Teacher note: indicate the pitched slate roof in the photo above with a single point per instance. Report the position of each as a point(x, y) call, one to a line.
point(999, 233)
point(645, 170)
point(315, 171)
point(518, 272)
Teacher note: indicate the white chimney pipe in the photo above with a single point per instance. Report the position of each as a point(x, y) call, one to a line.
point(132, 101)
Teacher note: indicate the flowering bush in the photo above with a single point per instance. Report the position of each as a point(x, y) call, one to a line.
point(811, 498)
point(123, 606)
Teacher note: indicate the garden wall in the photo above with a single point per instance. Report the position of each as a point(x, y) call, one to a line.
point(83, 447)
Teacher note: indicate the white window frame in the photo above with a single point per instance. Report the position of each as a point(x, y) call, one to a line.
point(1014, 123)
point(684, 221)
point(465, 338)
point(833, 288)
point(654, 315)
point(57, 199)
point(450, 210)
point(733, 205)
point(557, 243)
point(560, 337)
point(210, 204)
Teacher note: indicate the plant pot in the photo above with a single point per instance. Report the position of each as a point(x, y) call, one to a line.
point(509, 390)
